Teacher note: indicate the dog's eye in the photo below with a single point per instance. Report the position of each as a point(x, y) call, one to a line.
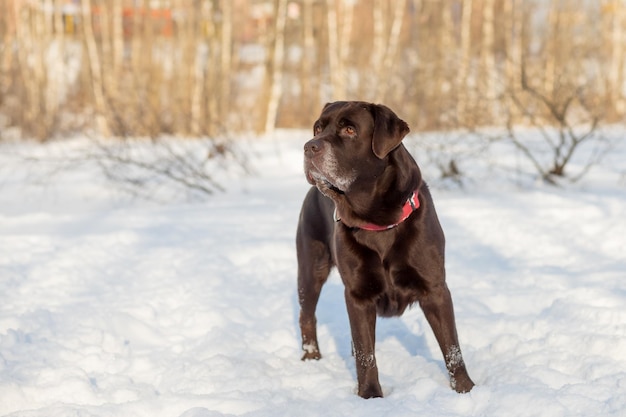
point(349, 130)
point(317, 130)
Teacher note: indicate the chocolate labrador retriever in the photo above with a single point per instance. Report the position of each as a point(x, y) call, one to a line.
point(371, 215)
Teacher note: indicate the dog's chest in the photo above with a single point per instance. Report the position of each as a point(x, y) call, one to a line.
point(381, 271)
point(402, 287)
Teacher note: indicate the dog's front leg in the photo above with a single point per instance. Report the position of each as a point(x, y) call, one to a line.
point(362, 315)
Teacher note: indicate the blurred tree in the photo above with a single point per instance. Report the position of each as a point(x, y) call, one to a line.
point(275, 67)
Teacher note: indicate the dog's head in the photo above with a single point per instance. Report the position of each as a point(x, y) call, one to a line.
point(351, 142)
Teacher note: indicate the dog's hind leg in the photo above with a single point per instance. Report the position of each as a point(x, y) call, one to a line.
point(439, 312)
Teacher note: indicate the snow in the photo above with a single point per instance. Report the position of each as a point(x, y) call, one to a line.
point(111, 306)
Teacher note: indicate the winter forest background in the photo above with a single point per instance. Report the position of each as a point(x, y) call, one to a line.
point(202, 68)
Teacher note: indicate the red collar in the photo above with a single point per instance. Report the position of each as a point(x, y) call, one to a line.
point(411, 204)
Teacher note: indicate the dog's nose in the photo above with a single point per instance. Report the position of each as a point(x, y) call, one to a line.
point(313, 146)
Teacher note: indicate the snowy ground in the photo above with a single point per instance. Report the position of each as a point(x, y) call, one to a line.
point(115, 307)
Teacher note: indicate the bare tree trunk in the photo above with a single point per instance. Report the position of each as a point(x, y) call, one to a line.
point(551, 47)
point(109, 80)
point(8, 8)
point(197, 77)
point(29, 81)
point(54, 58)
point(466, 57)
point(378, 46)
point(34, 33)
point(443, 74)
point(392, 47)
point(41, 42)
point(488, 52)
point(112, 37)
point(226, 58)
point(338, 47)
point(513, 21)
point(212, 78)
point(118, 38)
point(152, 79)
point(182, 108)
point(95, 68)
point(276, 77)
point(333, 46)
point(135, 33)
point(344, 49)
point(188, 75)
point(310, 93)
point(510, 37)
point(617, 65)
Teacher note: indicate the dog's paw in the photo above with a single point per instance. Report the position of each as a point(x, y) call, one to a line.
point(311, 352)
point(312, 356)
point(371, 391)
point(461, 383)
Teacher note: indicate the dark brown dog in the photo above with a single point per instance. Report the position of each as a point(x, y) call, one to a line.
point(371, 215)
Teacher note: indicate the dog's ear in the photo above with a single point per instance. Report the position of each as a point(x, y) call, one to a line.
point(389, 130)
